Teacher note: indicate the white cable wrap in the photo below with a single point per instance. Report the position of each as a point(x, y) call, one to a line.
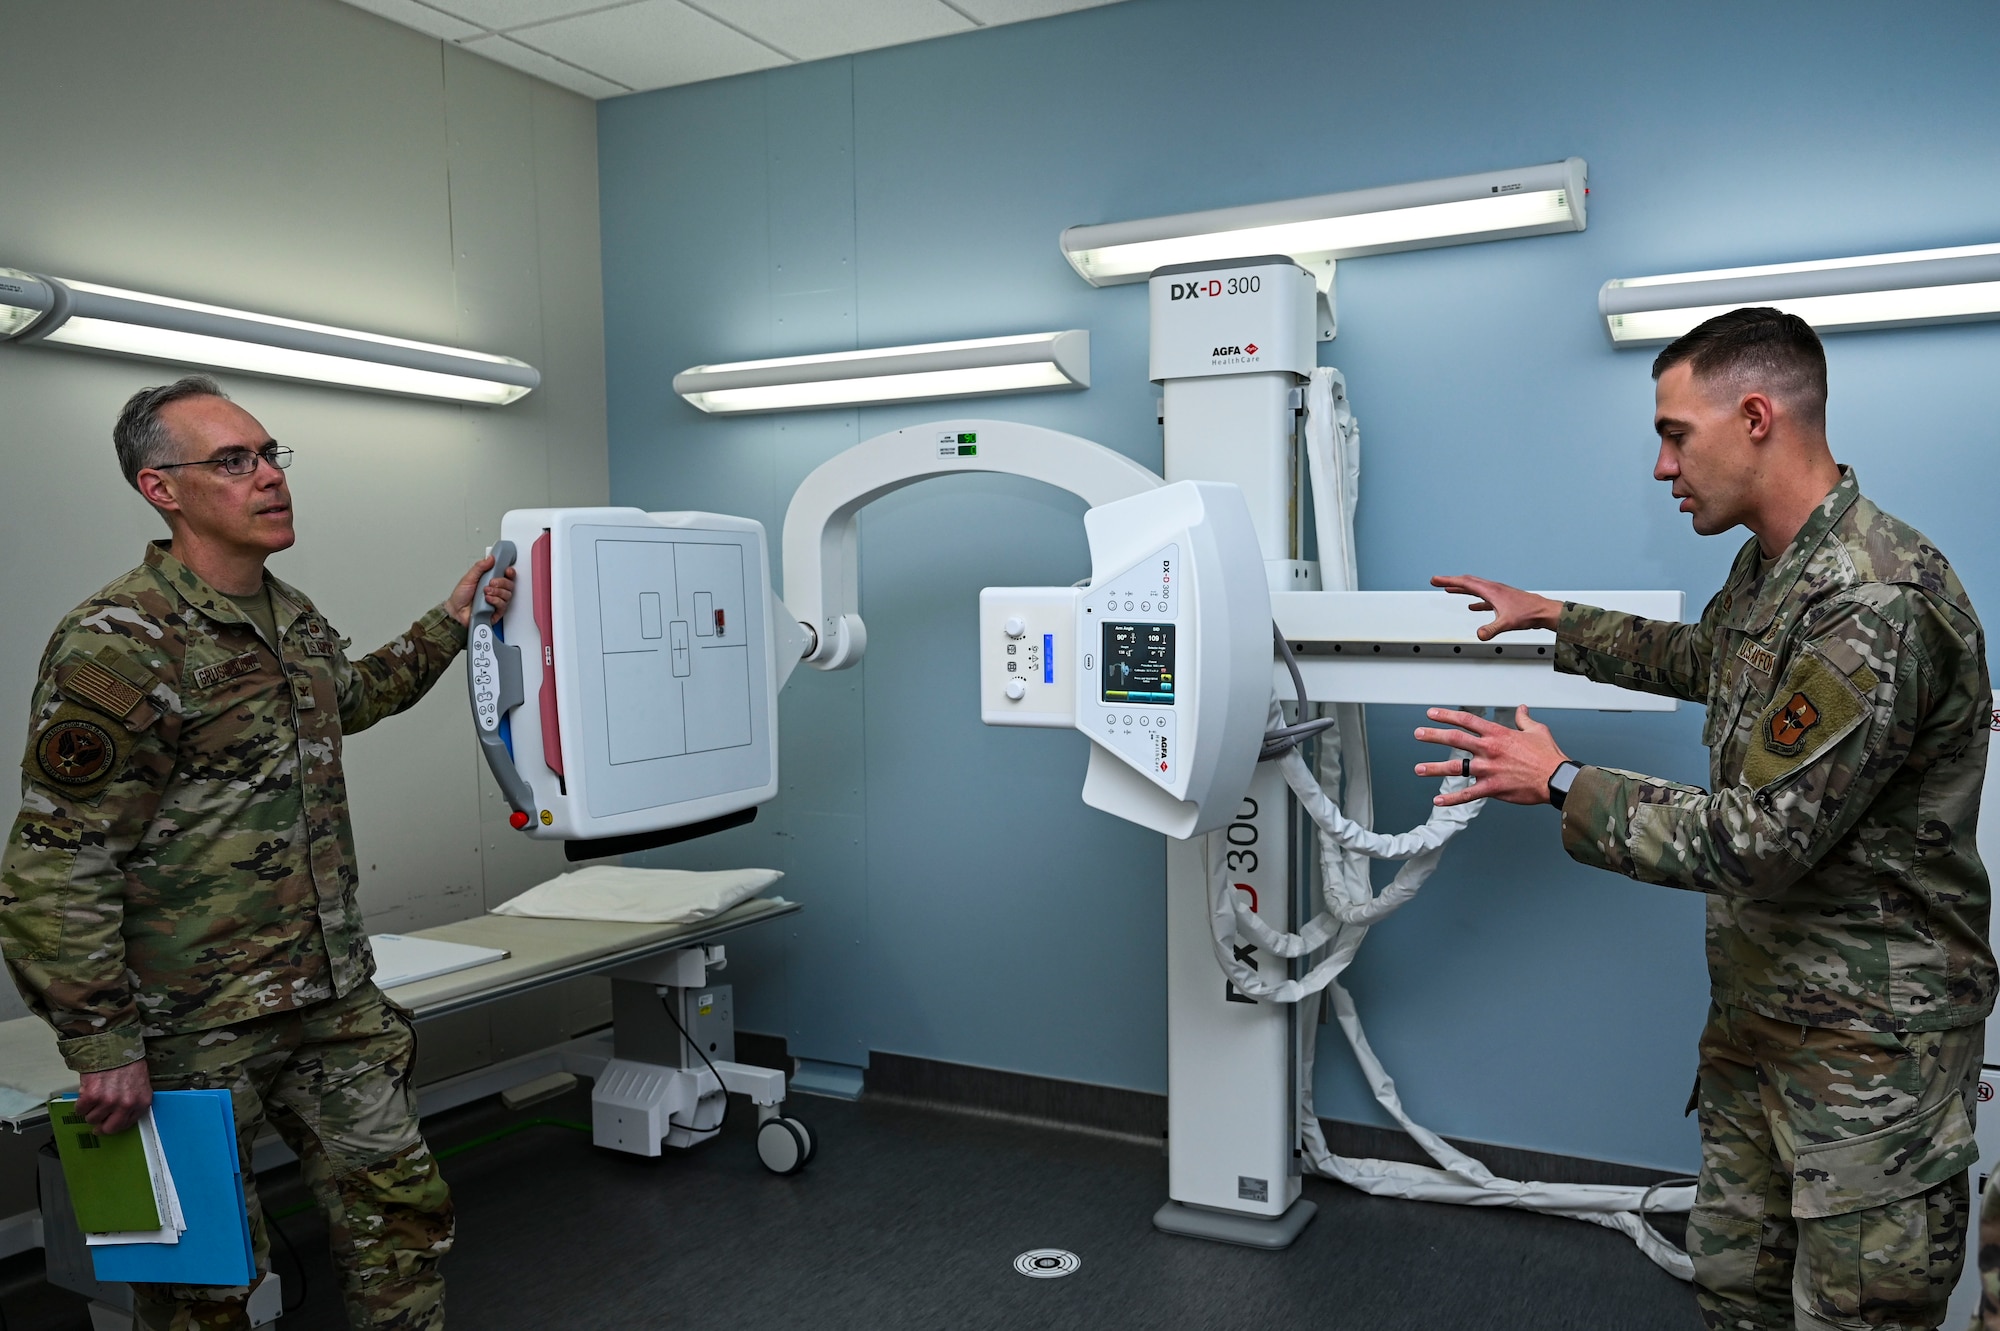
point(1351, 906)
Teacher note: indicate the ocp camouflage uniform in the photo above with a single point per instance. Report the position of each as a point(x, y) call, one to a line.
point(1988, 1318)
point(1848, 714)
point(180, 887)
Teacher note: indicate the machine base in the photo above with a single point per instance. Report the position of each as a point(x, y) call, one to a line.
point(1247, 1231)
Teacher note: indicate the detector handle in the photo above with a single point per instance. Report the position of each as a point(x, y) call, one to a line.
point(493, 680)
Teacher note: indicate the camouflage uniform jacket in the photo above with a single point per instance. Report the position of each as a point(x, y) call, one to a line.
point(149, 887)
point(1848, 714)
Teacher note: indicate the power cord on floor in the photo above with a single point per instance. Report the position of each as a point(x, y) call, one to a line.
point(722, 1122)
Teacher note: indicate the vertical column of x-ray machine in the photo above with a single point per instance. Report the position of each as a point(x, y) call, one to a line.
point(1231, 347)
point(1234, 344)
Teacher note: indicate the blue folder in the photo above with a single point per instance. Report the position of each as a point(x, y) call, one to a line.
point(198, 1134)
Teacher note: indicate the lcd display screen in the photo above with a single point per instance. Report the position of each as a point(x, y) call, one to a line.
point(1139, 664)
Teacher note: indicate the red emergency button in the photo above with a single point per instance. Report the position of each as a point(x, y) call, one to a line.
point(518, 819)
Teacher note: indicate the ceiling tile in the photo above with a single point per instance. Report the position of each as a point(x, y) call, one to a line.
point(512, 53)
point(499, 15)
point(1015, 11)
point(654, 44)
point(815, 29)
point(421, 17)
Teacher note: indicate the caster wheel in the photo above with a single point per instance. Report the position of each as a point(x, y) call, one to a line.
point(812, 1142)
point(783, 1146)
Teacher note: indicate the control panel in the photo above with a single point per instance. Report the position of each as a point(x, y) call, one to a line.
point(1135, 671)
point(1026, 656)
point(1163, 658)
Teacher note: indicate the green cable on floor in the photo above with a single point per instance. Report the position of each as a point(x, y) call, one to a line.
point(463, 1147)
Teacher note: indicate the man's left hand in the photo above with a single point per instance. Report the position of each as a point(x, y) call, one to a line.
point(498, 592)
point(1513, 766)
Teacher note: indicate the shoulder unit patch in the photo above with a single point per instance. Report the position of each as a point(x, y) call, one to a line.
point(1812, 710)
point(79, 751)
point(1790, 723)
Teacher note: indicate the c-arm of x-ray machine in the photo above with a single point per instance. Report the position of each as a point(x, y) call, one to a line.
point(629, 700)
point(653, 648)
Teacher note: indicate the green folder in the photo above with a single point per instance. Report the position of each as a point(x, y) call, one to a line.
point(109, 1184)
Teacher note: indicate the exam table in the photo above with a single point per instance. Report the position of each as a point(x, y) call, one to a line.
point(654, 1084)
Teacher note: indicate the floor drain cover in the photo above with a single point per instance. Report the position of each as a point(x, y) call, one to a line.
point(1047, 1263)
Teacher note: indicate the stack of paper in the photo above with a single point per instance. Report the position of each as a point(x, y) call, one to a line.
point(401, 959)
point(120, 1185)
point(164, 1201)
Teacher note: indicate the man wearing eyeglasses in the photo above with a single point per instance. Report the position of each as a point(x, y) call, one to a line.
point(178, 895)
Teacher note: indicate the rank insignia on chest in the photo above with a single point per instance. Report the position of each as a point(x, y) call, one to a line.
point(313, 630)
point(1790, 723)
point(1758, 657)
point(208, 676)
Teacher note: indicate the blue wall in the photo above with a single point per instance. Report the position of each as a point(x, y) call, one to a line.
point(963, 904)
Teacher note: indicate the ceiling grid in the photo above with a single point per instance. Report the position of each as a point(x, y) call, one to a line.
point(606, 48)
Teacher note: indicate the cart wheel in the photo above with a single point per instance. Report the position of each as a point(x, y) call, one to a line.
point(782, 1146)
point(812, 1142)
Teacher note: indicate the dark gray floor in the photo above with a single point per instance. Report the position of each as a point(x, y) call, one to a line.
point(911, 1217)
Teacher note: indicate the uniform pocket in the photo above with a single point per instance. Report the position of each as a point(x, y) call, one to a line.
point(1890, 1265)
point(1725, 1250)
point(1888, 1165)
point(350, 1082)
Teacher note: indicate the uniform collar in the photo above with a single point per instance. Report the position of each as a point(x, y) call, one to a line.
point(286, 604)
point(1792, 560)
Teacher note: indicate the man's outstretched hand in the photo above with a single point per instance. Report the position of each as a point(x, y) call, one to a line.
point(498, 592)
point(112, 1101)
point(1513, 766)
point(1512, 608)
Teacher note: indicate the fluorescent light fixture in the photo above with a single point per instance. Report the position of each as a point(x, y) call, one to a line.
point(1870, 291)
point(1493, 205)
point(132, 323)
point(976, 368)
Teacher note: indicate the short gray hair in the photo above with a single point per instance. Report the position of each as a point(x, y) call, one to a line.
point(141, 437)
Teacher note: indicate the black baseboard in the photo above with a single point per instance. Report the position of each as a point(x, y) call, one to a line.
point(1113, 1109)
point(1073, 1104)
point(763, 1051)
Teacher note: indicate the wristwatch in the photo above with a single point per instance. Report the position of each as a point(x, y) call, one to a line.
point(1561, 780)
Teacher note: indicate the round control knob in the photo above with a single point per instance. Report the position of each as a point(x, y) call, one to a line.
point(1017, 688)
point(1016, 627)
point(517, 819)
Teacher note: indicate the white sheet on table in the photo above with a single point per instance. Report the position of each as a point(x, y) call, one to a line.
point(639, 896)
point(400, 959)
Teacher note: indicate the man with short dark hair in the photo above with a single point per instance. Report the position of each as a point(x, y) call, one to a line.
point(178, 895)
point(1844, 673)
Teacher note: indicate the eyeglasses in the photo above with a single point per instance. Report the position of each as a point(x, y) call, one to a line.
point(240, 461)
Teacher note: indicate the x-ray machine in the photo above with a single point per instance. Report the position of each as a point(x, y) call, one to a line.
point(629, 699)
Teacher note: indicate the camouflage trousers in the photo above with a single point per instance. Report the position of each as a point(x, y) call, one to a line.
point(1989, 1257)
point(1833, 1190)
point(334, 1080)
